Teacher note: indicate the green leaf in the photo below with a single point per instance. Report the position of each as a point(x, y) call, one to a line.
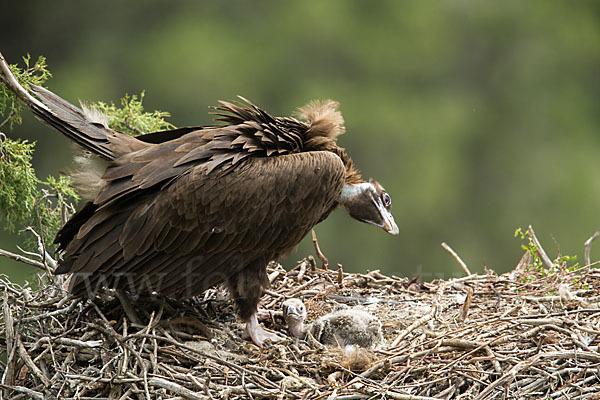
point(130, 118)
point(10, 107)
point(18, 183)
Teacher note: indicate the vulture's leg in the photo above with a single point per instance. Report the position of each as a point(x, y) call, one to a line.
point(246, 288)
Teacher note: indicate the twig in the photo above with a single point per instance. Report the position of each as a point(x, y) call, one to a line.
point(411, 328)
point(177, 389)
point(402, 396)
point(312, 262)
point(205, 384)
point(303, 286)
point(109, 331)
point(457, 258)
point(246, 387)
point(42, 249)
point(321, 256)
point(29, 362)
point(466, 306)
point(2, 139)
point(49, 266)
point(588, 247)
point(131, 127)
point(29, 253)
point(301, 272)
point(540, 249)
point(494, 359)
point(13, 84)
point(127, 307)
point(22, 259)
point(106, 380)
point(9, 328)
point(91, 344)
point(29, 392)
point(65, 310)
point(523, 365)
point(12, 113)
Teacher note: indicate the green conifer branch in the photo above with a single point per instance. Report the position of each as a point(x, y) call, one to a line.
point(25, 200)
point(130, 118)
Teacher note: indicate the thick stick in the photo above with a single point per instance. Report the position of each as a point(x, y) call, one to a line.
point(176, 388)
point(23, 259)
point(13, 84)
point(540, 249)
point(588, 247)
point(9, 372)
point(457, 258)
point(318, 250)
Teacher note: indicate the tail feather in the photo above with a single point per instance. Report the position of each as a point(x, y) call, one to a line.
point(81, 126)
point(73, 123)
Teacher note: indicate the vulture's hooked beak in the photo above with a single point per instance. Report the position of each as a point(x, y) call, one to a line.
point(389, 225)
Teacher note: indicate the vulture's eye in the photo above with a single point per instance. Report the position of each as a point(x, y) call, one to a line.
point(387, 200)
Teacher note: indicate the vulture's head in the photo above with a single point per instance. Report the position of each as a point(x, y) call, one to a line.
point(294, 313)
point(293, 310)
point(369, 202)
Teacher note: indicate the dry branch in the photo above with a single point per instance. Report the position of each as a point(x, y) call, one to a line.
point(457, 258)
point(177, 389)
point(23, 259)
point(7, 77)
point(540, 249)
point(320, 254)
point(588, 247)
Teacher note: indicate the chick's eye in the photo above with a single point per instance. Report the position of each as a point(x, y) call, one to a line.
point(387, 200)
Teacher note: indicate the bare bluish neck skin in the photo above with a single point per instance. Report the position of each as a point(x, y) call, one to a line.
point(350, 191)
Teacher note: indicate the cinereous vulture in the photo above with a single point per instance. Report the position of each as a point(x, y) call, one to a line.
point(177, 212)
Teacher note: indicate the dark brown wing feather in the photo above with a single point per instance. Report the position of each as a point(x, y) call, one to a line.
point(191, 229)
point(189, 208)
point(165, 136)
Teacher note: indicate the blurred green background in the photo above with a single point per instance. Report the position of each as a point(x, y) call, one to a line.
point(478, 117)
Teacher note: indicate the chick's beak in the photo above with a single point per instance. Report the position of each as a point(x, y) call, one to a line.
point(293, 312)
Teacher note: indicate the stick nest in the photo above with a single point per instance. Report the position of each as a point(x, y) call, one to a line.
point(527, 334)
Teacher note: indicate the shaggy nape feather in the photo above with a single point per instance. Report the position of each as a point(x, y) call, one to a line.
point(323, 118)
point(324, 124)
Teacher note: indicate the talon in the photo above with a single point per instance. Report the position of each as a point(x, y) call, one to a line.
point(259, 335)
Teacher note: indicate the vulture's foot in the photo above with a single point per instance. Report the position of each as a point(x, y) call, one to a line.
point(267, 315)
point(258, 335)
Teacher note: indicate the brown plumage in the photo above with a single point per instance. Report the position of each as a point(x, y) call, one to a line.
point(179, 211)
